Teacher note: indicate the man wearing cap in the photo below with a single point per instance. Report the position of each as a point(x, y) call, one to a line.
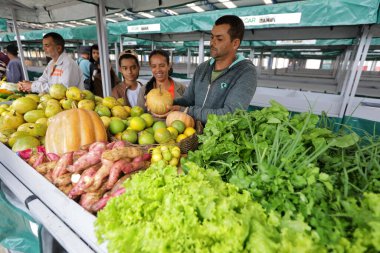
point(14, 67)
point(61, 69)
point(84, 65)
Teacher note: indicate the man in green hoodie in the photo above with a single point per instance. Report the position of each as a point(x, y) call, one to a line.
point(224, 83)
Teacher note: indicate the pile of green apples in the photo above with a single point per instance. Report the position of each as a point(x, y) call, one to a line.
point(23, 123)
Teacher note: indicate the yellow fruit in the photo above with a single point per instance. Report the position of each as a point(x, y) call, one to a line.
point(106, 121)
point(128, 109)
point(74, 93)
point(173, 131)
point(156, 158)
point(189, 131)
point(136, 111)
point(121, 101)
point(24, 104)
point(179, 125)
point(86, 104)
point(57, 91)
point(110, 102)
point(35, 97)
point(162, 135)
point(119, 111)
point(137, 124)
point(176, 152)
point(181, 137)
point(174, 161)
point(116, 126)
point(149, 120)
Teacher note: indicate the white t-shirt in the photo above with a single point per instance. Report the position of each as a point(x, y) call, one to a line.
point(133, 94)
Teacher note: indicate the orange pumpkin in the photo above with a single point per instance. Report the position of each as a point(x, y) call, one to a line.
point(71, 129)
point(182, 116)
point(159, 101)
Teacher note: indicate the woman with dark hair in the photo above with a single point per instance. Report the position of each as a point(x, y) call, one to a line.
point(128, 89)
point(96, 76)
point(161, 70)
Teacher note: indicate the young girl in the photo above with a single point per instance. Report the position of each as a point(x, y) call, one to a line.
point(129, 89)
point(161, 70)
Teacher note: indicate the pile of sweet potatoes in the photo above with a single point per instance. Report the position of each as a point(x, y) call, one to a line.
point(91, 175)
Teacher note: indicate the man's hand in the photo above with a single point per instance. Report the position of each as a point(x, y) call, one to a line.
point(25, 86)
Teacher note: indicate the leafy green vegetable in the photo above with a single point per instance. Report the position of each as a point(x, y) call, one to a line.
point(162, 211)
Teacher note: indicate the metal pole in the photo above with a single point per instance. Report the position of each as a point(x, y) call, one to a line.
point(251, 54)
point(201, 50)
point(188, 65)
point(121, 43)
point(19, 45)
point(83, 42)
point(116, 58)
point(355, 69)
point(103, 49)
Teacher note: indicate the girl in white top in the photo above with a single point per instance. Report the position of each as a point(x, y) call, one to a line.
point(128, 89)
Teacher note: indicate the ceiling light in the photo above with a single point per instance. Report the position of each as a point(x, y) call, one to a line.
point(268, 1)
point(170, 12)
point(195, 8)
point(228, 4)
point(66, 24)
point(111, 20)
point(123, 17)
point(90, 21)
point(147, 15)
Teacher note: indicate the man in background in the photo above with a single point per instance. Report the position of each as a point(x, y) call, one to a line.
point(84, 65)
point(61, 69)
point(14, 67)
point(4, 59)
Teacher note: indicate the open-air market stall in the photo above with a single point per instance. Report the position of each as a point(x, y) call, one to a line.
point(288, 21)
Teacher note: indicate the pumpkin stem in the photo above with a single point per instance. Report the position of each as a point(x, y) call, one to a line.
point(73, 105)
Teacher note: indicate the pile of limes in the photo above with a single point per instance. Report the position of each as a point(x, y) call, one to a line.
point(170, 154)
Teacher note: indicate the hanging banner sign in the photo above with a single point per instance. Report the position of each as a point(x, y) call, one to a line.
point(296, 42)
point(22, 37)
point(144, 28)
point(130, 43)
point(272, 19)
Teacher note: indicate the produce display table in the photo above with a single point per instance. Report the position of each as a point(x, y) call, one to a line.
point(68, 222)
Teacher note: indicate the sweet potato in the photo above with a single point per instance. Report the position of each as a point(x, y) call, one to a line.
point(100, 204)
point(63, 180)
point(66, 188)
point(121, 153)
point(62, 164)
point(48, 176)
point(85, 161)
point(119, 144)
point(115, 172)
point(39, 160)
point(45, 167)
point(85, 181)
point(101, 174)
point(52, 157)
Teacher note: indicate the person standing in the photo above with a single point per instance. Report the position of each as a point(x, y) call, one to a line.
point(161, 69)
point(96, 75)
point(84, 65)
point(61, 69)
point(224, 83)
point(14, 67)
point(128, 89)
point(4, 59)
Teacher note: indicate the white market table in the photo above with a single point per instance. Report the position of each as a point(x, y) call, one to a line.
point(70, 224)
